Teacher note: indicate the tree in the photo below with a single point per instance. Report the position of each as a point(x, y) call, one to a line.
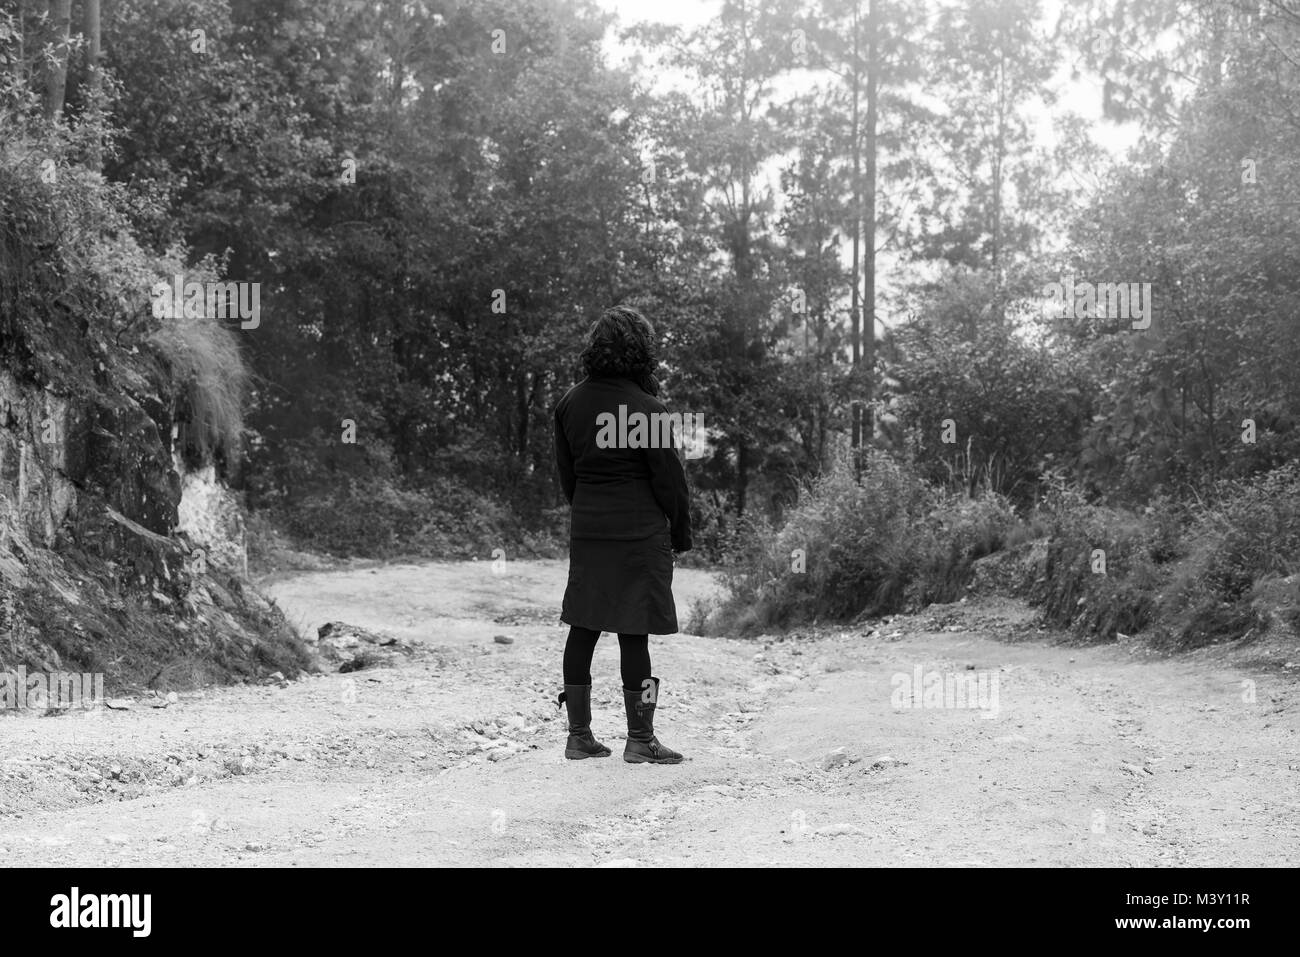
point(95, 85)
point(992, 62)
point(56, 75)
point(873, 49)
point(726, 144)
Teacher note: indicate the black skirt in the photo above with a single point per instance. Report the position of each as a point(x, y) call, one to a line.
point(621, 586)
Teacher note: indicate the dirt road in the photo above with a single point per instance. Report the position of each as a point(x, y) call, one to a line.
point(803, 751)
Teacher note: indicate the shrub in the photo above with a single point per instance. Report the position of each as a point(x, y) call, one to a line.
point(1078, 595)
point(854, 542)
point(891, 542)
point(211, 381)
point(1193, 575)
point(1244, 537)
point(384, 517)
point(959, 532)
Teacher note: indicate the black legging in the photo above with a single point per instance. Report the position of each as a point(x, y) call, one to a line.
point(634, 657)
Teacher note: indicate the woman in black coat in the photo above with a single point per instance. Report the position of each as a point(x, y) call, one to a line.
point(630, 513)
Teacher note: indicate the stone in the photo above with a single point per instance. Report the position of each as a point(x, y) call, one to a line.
point(239, 765)
point(838, 830)
point(840, 757)
point(885, 762)
point(347, 648)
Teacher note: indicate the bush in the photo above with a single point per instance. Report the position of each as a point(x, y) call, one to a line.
point(959, 532)
point(891, 542)
point(1194, 575)
point(713, 530)
point(1246, 536)
point(1098, 594)
point(211, 381)
point(1016, 407)
point(1258, 526)
point(384, 517)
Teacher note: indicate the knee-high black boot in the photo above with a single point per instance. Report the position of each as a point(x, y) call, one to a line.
point(642, 746)
point(582, 743)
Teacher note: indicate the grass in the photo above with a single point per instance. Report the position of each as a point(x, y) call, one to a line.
point(1183, 575)
point(850, 549)
point(211, 381)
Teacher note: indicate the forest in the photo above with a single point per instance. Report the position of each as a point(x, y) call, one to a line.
point(946, 279)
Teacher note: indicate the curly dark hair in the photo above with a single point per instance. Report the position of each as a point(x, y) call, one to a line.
point(622, 343)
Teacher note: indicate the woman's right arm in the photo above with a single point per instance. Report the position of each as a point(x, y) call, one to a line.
point(564, 457)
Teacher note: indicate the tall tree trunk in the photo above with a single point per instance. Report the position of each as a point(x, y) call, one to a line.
point(742, 246)
point(96, 79)
point(856, 302)
point(999, 165)
point(869, 221)
point(56, 76)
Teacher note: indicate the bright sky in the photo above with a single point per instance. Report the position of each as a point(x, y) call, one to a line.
point(1081, 95)
point(687, 13)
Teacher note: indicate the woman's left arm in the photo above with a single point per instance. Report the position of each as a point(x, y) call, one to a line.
point(668, 479)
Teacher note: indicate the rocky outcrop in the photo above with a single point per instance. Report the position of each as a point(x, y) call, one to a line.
point(344, 648)
point(41, 459)
point(211, 516)
point(1013, 571)
point(114, 558)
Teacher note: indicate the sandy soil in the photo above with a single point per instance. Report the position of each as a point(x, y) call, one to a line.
point(797, 752)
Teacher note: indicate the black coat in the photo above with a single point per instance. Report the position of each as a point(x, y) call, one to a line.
point(618, 493)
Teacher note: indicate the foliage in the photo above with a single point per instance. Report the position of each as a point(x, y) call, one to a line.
point(845, 549)
point(434, 220)
point(998, 412)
